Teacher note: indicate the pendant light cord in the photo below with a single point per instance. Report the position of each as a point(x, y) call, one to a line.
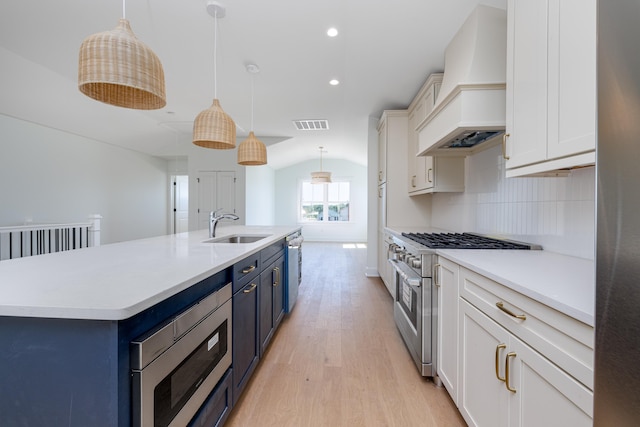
point(252, 79)
point(124, 7)
point(215, 54)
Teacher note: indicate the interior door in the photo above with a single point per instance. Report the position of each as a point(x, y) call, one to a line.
point(180, 203)
point(216, 190)
point(226, 191)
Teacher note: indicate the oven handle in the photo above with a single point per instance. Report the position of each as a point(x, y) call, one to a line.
point(407, 275)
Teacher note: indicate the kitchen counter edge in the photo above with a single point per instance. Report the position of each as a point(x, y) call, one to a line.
point(119, 280)
point(562, 282)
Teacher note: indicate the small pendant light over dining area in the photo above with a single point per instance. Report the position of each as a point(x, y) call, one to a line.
point(321, 177)
point(213, 128)
point(116, 68)
point(252, 151)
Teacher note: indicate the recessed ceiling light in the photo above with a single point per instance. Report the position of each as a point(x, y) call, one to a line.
point(332, 32)
point(334, 82)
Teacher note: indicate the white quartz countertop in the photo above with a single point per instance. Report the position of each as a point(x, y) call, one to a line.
point(562, 282)
point(117, 281)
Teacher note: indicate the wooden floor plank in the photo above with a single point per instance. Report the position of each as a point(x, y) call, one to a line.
point(338, 359)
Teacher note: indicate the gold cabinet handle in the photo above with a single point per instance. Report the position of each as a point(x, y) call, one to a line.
point(504, 145)
point(507, 369)
point(501, 306)
point(436, 277)
point(248, 269)
point(251, 289)
point(498, 348)
point(277, 281)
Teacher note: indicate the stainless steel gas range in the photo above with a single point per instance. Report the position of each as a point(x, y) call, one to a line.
point(415, 310)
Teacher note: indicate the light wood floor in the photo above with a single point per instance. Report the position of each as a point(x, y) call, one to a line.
point(338, 359)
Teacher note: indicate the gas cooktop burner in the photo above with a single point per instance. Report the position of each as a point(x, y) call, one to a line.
point(464, 241)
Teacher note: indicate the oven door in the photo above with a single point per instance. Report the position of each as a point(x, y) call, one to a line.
point(170, 390)
point(412, 315)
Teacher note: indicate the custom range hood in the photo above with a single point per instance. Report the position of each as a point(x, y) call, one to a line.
point(470, 108)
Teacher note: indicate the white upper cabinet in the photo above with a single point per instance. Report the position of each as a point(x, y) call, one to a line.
point(382, 152)
point(551, 86)
point(428, 174)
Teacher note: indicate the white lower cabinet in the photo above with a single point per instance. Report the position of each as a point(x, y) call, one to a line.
point(504, 382)
point(446, 280)
point(545, 395)
point(385, 269)
point(508, 360)
point(483, 399)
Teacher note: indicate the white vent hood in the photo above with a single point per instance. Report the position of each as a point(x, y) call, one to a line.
point(470, 108)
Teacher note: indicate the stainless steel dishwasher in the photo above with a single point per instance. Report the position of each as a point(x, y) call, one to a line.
point(294, 273)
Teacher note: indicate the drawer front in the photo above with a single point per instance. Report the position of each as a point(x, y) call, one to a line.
point(271, 252)
point(245, 270)
point(216, 409)
point(565, 341)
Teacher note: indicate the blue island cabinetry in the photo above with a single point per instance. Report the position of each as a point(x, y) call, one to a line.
point(70, 324)
point(75, 372)
point(258, 308)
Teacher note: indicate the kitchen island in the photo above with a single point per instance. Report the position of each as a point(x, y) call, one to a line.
point(66, 319)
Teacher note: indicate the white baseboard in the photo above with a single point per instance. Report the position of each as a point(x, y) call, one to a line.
point(371, 272)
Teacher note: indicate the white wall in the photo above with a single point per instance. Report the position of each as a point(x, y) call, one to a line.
point(286, 200)
point(260, 195)
point(557, 213)
point(52, 176)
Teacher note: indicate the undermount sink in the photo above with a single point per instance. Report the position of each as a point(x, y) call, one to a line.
point(238, 238)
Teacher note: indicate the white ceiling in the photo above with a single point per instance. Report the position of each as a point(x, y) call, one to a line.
point(383, 53)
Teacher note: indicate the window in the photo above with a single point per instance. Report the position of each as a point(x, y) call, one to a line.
point(324, 202)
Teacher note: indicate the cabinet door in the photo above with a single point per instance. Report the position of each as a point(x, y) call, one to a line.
point(245, 336)
point(382, 152)
point(448, 295)
point(482, 400)
point(265, 295)
point(415, 165)
point(421, 169)
point(526, 101)
point(572, 77)
point(271, 296)
point(544, 394)
point(385, 270)
point(382, 206)
point(278, 292)
point(426, 170)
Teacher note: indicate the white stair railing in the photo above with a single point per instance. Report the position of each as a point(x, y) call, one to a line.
point(37, 239)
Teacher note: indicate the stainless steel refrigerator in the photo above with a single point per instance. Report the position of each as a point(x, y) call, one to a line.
point(617, 352)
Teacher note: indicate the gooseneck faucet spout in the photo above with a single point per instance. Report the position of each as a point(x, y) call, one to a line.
point(215, 216)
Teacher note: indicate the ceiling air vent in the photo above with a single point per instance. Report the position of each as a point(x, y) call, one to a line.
point(311, 124)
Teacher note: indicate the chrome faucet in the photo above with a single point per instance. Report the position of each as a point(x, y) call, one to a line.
point(215, 216)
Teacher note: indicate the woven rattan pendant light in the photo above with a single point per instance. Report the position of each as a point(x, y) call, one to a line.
point(252, 151)
point(213, 128)
point(118, 69)
point(320, 177)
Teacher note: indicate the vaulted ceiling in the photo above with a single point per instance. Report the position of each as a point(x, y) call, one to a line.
point(382, 54)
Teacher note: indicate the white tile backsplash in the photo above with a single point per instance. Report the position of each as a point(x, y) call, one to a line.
point(556, 212)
